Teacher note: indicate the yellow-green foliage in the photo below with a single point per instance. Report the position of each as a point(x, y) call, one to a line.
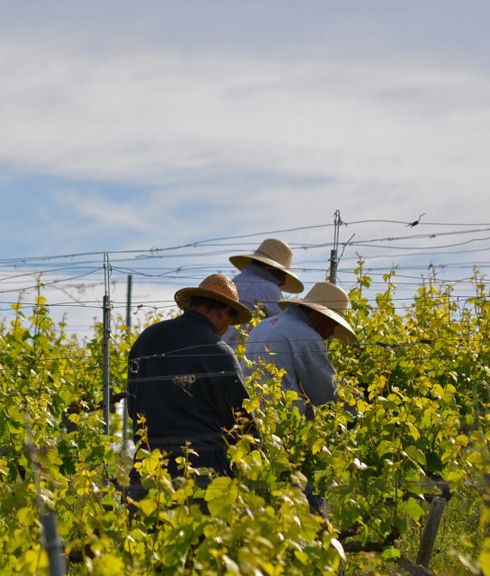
point(418, 379)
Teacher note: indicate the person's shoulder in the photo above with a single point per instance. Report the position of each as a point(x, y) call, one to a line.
point(276, 289)
point(271, 323)
point(296, 323)
point(147, 338)
point(226, 354)
point(164, 330)
point(158, 327)
point(225, 348)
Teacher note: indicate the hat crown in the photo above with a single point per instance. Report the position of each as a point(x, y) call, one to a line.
point(215, 287)
point(220, 284)
point(329, 296)
point(275, 254)
point(276, 250)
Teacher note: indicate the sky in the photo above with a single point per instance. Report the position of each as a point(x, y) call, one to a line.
point(133, 127)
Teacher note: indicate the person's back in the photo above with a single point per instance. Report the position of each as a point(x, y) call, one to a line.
point(179, 378)
point(185, 384)
point(295, 341)
point(262, 278)
point(259, 290)
point(258, 287)
point(290, 342)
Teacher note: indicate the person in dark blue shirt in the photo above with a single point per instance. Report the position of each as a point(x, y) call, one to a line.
point(187, 382)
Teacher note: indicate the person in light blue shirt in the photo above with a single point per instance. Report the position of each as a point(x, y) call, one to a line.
point(263, 277)
point(294, 341)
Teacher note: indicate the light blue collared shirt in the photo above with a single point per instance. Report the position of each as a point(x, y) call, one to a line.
point(256, 286)
point(291, 343)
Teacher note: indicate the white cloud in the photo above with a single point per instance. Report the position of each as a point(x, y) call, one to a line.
point(99, 212)
point(218, 142)
point(144, 116)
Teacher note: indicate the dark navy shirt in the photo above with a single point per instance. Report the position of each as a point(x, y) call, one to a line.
point(186, 382)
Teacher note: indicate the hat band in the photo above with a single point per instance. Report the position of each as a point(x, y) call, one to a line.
point(264, 255)
point(316, 303)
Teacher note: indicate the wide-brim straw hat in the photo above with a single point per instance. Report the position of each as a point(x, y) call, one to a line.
point(277, 254)
point(331, 301)
point(216, 287)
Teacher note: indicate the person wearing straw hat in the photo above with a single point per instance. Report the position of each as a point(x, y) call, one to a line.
point(294, 341)
point(262, 278)
point(186, 382)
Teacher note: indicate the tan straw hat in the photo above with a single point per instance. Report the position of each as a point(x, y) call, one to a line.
point(216, 287)
point(277, 254)
point(330, 300)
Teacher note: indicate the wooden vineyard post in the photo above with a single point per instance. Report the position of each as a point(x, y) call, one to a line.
point(125, 400)
point(106, 386)
point(53, 545)
point(50, 540)
point(430, 531)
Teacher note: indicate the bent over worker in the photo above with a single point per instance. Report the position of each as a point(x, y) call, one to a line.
point(186, 381)
point(294, 341)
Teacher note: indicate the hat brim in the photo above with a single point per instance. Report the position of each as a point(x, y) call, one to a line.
point(292, 283)
point(183, 299)
point(342, 331)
